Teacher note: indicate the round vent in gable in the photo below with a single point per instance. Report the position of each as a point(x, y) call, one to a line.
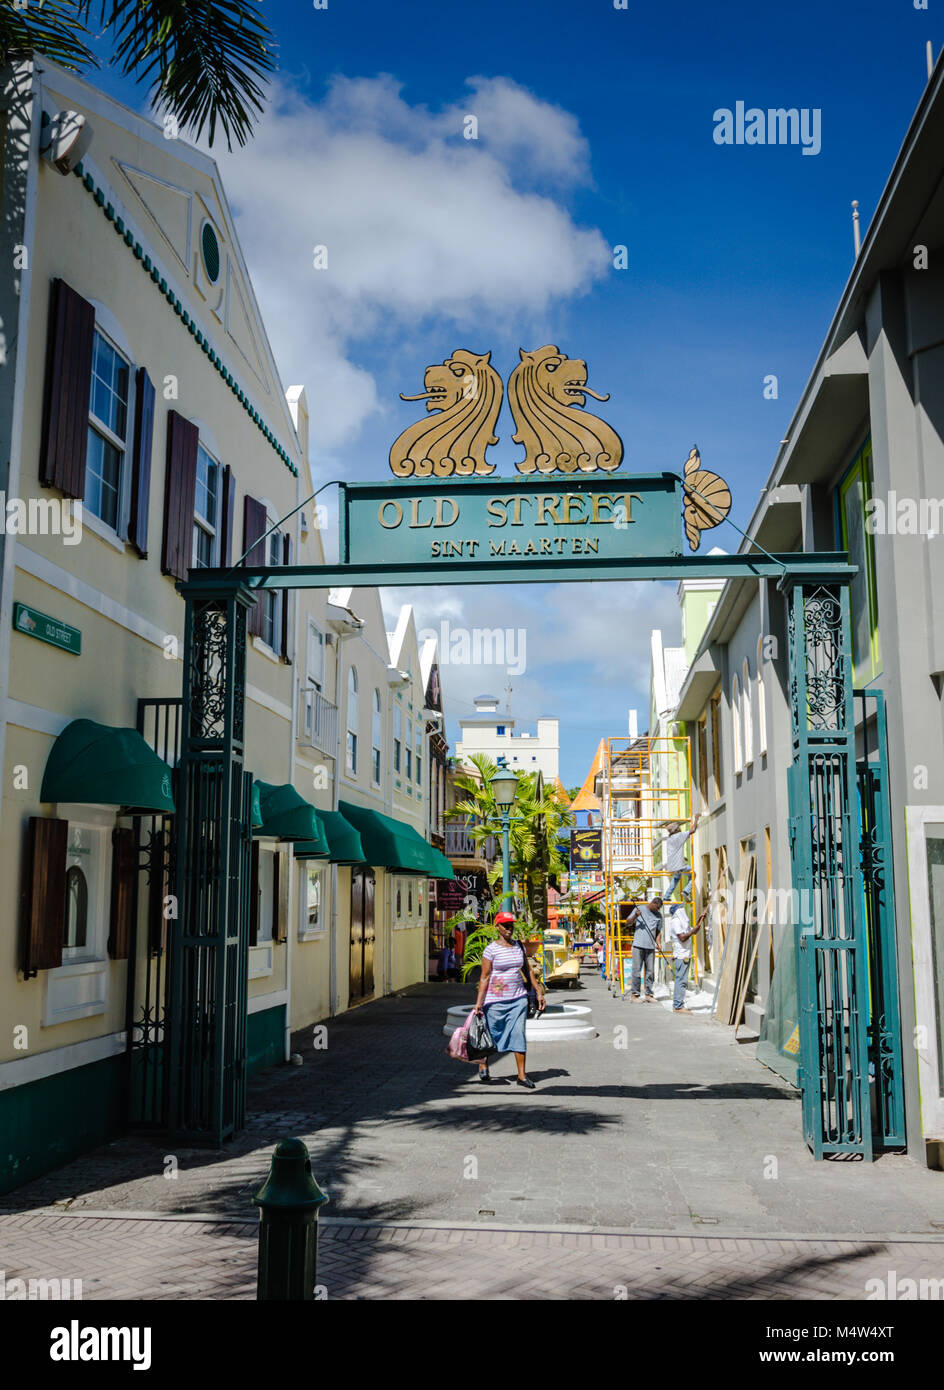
point(210, 249)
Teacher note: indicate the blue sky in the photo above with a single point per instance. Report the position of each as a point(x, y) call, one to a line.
point(595, 129)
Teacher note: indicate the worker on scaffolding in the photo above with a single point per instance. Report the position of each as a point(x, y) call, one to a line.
point(675, 842)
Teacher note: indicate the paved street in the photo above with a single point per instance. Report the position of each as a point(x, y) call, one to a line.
point(677, 1145)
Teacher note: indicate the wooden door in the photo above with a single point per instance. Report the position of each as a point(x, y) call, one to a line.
point(368, 935)
point(355, 988)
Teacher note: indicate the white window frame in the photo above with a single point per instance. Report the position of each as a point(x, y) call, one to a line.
point(78, 988)
point(351, 728)
point(376, 738)
point(397, 739)
point(736, 725)
point(761, 700)
point(122, 445)
point(306, 932)
point(200, 523)
point(918, 821)
point(272, 599)
point(748, 715)
point(266, 894)
point(418, 754)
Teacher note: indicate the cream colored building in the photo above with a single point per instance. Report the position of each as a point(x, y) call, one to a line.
point(139, 381)
point(494, 735)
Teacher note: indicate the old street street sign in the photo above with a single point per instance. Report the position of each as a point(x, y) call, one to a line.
point(32, 623)
point(612, 517)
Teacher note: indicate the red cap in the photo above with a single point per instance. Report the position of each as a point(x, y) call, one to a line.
point(504, 917)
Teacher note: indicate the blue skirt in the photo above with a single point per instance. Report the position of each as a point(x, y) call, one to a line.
point(506, 1019)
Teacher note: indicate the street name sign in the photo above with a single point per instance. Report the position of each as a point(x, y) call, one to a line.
point(32, 623)
point(508, 522)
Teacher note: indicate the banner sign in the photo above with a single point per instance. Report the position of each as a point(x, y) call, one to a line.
point(586, 850)
point(467, 891)
point(511, 521)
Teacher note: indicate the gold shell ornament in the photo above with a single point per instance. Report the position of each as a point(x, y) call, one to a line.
point(463, 396)
point(707, 499)
point(547, 391)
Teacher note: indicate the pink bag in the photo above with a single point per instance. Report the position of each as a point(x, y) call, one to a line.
point(457, 1046)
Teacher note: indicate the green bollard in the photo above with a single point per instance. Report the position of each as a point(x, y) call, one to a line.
point(288, 1226)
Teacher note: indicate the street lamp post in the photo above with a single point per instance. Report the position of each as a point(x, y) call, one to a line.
point(504, 787)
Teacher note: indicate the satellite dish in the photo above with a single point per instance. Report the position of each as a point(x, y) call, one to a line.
point(65, 140)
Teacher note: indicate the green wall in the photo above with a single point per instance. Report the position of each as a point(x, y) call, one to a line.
point(47, 1123)
point(265, 1039)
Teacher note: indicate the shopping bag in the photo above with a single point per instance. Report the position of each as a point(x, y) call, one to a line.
point(479, 1042)
point(458, 1043)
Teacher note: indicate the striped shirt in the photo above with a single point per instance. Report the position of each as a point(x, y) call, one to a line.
point(505, 981)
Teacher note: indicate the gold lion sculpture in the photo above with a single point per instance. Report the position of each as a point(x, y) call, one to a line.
point(466, 392)
point(543, 391)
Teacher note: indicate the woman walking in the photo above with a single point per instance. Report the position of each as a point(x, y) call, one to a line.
point(503, 995)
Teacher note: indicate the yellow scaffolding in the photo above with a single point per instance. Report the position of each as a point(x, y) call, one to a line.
point(645, 787)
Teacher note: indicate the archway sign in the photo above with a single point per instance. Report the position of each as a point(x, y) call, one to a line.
point(572, 513)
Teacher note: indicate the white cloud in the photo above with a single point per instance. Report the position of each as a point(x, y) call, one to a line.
point(419, 224)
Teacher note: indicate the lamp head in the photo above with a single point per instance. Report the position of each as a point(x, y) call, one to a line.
point(504, 787)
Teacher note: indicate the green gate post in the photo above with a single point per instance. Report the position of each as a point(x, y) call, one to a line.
point(288, 1204)
point(832, 945)
point(209, 941)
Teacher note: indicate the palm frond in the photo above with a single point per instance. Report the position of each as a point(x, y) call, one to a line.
point(54, 29)
point(205, 59)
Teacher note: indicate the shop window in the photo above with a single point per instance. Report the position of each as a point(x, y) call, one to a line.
point(314, 899)
point(852, 498)
point(76, 923)
point(107, 431)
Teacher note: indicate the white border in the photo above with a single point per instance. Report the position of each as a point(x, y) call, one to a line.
point(917, 818)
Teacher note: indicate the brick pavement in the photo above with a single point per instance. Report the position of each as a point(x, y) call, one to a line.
point(165, 1258)
point(660, 1124)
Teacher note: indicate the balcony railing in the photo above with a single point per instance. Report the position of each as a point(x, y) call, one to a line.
point(459, 842)
point(318, 722)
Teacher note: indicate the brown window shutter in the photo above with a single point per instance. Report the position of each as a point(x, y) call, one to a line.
point(254, 528)
point(44, 894)
point(286, 603)
point(283, 860)
point(68, 391)
point(141, 461)
point(179, 495)
point(123, 874)
point(254, 894)
point(226, 520)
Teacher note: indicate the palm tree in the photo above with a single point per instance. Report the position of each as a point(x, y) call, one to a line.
point(535, 852)
point(204, 59)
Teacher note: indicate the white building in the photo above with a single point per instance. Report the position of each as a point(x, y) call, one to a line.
point(493, 733)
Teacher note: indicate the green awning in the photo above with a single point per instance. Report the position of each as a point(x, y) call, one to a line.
point(344, 843)
point(392, 844)
point(98, 764)
point(286, 815)
point(441, 866)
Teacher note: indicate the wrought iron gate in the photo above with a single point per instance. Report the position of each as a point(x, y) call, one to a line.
point(149, 981)
point(839, 843)
point(884, 1023)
